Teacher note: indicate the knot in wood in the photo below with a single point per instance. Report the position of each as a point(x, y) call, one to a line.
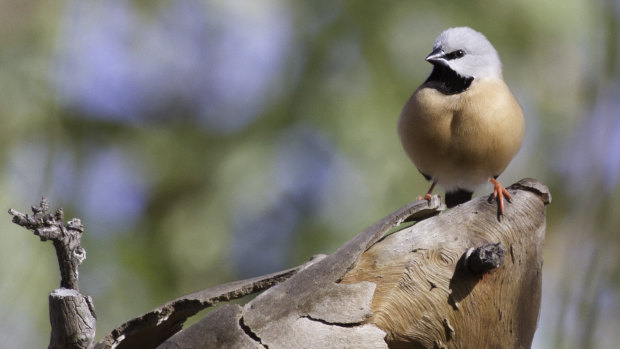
point(485, 257)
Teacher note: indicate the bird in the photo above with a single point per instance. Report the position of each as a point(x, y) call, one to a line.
point(462, 126)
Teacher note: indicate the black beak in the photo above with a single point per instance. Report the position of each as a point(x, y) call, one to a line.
point(437, 56)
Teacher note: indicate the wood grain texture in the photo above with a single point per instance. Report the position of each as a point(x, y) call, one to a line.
point(72, 318)
point(426, 298)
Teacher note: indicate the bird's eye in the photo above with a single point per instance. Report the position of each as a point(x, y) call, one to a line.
point(455, 54)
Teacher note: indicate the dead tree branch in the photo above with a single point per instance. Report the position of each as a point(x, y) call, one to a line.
point(320, 276)
point(72, 315)
point(444, 282)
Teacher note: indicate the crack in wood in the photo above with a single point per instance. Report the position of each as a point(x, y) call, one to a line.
point(328, 323)
point(251, 333)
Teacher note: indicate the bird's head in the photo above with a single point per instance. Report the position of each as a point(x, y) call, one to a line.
point(467, 52)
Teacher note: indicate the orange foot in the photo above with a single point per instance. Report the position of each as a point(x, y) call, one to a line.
point(499, 193)
point(427, 197)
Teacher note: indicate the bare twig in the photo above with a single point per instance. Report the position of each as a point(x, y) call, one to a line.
point(66, 238)
point(72, 315)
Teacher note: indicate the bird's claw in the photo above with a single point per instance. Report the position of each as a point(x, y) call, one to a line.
point(426, 197)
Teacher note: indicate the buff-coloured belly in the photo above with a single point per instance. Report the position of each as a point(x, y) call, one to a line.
point(461, 140)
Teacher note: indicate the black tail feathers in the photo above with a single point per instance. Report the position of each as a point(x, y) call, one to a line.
point(458, 196)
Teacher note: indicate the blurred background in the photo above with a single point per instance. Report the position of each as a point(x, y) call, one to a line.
point(207, 141)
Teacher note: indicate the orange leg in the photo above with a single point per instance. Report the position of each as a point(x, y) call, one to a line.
point(427, 197)
point(499, 193)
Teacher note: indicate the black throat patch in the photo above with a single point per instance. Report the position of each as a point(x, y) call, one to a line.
point(447, 81)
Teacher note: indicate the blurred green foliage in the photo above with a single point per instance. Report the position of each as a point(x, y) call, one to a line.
point(203, 142)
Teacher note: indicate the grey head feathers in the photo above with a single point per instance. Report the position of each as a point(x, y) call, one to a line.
point(466, 52)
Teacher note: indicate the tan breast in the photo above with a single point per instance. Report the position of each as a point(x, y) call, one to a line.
point(461, 140)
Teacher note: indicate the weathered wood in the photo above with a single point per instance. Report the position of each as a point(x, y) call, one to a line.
point(154, 327)
point(221, 329)
point(342, 305)
point(312, 309)
point(66, 238)
point(72, 317)
point(445, 282)
point(427, 298)
point(289, 315)
point(460, 279)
